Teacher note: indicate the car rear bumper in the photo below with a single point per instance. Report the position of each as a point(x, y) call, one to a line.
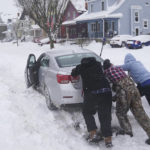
point(72, 96)
point(115, 45)
point(66, 94)
point(130, 46)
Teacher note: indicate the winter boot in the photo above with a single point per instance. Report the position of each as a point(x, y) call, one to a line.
point(122, 132)
point(130, 134)
point(93, 137)
point(147, 141)
point(108, 142)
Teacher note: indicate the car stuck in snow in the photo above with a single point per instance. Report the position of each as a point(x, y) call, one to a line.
point(51, 75)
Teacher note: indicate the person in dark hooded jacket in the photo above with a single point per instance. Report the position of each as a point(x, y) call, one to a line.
point(97, 98)
point(139, 74)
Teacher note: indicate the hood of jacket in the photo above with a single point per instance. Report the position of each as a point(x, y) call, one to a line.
point(88, 62)
point(129, 58)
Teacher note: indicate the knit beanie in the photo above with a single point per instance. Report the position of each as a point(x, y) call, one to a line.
point(106, 64)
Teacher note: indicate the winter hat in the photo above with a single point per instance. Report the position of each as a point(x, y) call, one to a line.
point(106, 64)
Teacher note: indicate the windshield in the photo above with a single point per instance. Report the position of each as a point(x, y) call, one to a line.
point(74, 59)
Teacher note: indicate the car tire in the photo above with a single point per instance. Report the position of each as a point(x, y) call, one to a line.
point(112, 46)
point(49, 102)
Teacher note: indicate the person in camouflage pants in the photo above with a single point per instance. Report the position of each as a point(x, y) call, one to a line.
point(127, 97)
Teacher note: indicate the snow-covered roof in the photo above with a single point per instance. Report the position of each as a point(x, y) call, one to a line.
point(35, 26)
point(3, 24)
point(79, 4)
point(70, 22)
point(103, 14)
point(97, 15)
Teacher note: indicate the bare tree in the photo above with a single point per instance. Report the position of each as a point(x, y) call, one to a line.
point(46, 13)
point(16, 27)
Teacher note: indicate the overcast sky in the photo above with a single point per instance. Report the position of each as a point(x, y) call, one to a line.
point(8, 8)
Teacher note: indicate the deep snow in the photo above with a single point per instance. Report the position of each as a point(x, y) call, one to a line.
point(27, 124)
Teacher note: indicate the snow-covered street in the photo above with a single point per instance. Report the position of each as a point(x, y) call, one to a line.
point(27, 124)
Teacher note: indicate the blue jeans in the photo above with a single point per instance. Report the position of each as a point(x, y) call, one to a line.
point(145, 91)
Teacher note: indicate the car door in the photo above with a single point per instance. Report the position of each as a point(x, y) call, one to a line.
point(31, 71)
point(43, 69)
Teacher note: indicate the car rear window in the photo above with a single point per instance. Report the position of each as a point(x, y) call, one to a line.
point(74, 59)
point(130, 41)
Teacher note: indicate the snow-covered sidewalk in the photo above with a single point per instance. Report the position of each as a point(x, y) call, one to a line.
point(26, 122)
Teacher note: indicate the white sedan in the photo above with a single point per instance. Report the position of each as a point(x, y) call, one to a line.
point(51, 75)
point(119, 40)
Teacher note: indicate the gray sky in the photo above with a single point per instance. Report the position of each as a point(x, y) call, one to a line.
point(8, 9)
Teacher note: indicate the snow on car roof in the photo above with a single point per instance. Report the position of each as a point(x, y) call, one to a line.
point(58, 52)
point(122, 36)
point(142, 38)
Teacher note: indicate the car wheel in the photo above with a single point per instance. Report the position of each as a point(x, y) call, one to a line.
point(112, 46)
point(49, 102)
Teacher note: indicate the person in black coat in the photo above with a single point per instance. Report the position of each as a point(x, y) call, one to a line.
point(97, 98)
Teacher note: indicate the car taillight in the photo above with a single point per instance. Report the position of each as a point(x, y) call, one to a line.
point(137, 42)
point(65, 79)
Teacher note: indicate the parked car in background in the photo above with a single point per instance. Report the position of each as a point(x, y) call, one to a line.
point(51, 75)
point(36, 40)
point(134, 44)
point(45, 41)
point(119, 40)
point(144, 39)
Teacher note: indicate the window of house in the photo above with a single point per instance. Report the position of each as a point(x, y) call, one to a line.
point(137, 31)
point(68, 14)
point(74, 14)
point(147, 4)
point(92, 7)
point(73, 31)
point(145, 24)
point(103, 5)
point(113, 25)
point(98, 27)
point(136, 16)
point(95, 27)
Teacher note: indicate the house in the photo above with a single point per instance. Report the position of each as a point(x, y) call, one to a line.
point(3, 28)
point(29, 28)
point(69, 28)
point(17, 27)
point(106, 18)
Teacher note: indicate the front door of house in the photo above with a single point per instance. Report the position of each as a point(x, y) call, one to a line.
point(137, 31)
point(136, 19)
